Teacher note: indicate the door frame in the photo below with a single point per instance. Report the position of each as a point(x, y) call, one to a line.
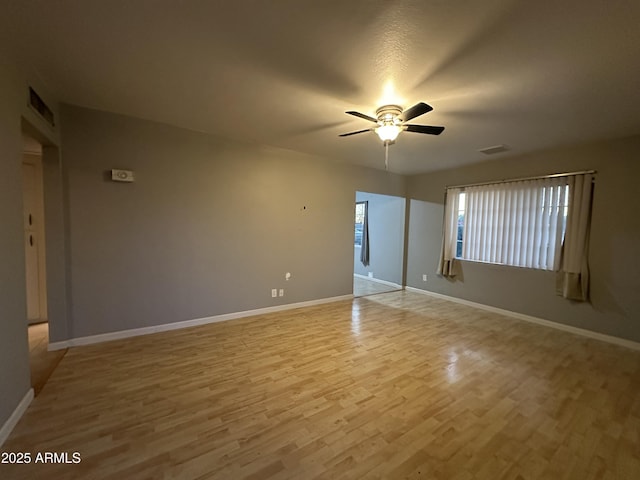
point(54, 238)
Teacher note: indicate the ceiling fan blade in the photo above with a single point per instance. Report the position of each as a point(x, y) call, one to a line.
point(415, 111)
point(355, 133)
point(362, 115)
point(424, 129)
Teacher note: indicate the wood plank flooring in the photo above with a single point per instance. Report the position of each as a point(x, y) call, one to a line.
point(41, 361)
point(363, 287)
point(396, 385)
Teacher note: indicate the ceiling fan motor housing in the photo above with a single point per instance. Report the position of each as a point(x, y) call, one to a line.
point(388, 114)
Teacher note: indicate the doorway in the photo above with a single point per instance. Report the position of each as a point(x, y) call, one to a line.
point(34, 245)
point(42, 361)
point(378, 243)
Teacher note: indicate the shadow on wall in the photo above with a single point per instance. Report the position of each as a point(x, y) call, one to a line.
point(424, 241)
point(609, 296)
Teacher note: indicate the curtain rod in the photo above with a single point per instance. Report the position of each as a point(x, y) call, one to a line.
point(539, 177)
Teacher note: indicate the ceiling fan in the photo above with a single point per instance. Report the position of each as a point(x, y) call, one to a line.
point(391, 120)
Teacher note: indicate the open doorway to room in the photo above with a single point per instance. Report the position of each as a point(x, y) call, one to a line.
point(378, 243)
point(33, 220)
point(42, 362)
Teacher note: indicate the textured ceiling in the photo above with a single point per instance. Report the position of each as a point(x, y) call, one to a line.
point(530, 75)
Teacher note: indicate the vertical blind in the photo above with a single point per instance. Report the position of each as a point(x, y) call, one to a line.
point(541, 223)
point(517, 223)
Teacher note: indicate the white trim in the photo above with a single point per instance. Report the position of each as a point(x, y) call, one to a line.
point(134, 332)
point(15, 417)
point(377, 280)
point(528, 318)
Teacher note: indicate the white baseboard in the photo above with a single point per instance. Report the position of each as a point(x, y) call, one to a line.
point(528, 318)
point(15, 416)
point(377, 280)
point(135, 332)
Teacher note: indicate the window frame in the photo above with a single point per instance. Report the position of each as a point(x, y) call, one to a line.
point(356, 223)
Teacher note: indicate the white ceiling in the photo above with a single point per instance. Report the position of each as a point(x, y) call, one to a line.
point(530, 75)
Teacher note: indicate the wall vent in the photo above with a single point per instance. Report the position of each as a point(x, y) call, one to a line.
point(493, 150)
point(36, 103)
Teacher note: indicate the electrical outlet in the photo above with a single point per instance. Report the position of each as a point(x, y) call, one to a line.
point(370, 274)
point(281, 292)
point(274, 292)
point(424, 277)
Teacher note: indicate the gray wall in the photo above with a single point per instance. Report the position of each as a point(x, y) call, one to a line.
point(386, 237)
point(208, 227)
point(14, 357)
point(58, 291)
point(614, 251)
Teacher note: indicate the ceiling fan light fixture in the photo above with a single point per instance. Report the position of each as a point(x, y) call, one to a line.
point(392, 119)
point(388, 132)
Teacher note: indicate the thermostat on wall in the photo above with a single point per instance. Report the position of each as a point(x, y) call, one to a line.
point(121, 175)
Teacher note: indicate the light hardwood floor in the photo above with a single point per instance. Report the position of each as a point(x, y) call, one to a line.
point(396, 385)
point(42, 362)
point(363, 287)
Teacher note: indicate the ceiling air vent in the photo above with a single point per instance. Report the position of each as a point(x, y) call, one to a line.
point(493, 150)
point(40, 107)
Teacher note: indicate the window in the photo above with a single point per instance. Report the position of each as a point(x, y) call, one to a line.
point(460, 224)
point(518, 223)
point(361, 208)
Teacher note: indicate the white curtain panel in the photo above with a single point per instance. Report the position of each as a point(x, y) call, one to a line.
point(572, 280)
point(515, 223)
point(447, 263)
